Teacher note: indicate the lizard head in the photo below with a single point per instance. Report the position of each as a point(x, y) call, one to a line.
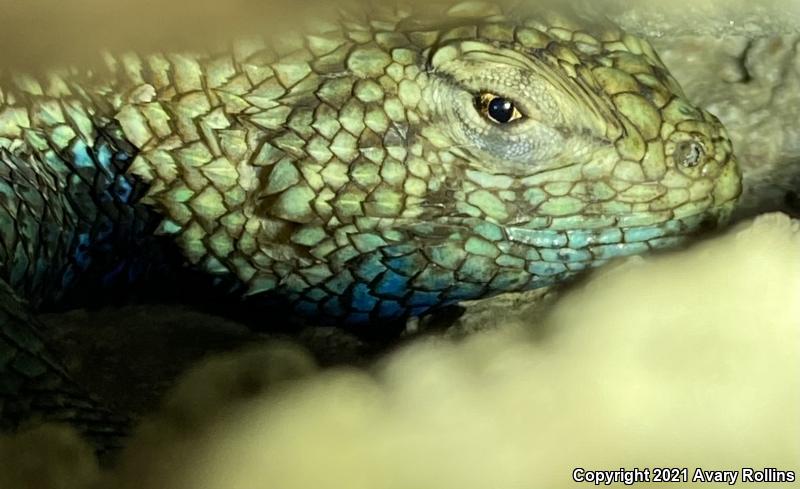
point(542, 150)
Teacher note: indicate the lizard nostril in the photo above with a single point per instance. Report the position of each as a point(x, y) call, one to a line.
point(689, 153)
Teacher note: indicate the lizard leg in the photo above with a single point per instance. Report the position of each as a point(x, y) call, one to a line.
point(35, 387)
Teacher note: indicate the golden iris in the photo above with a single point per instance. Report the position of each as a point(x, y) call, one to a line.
point(497, 109)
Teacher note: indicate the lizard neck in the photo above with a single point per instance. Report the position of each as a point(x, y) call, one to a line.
point(71, 221)
point(252, 154)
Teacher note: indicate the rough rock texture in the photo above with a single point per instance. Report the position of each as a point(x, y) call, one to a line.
point(709, 18)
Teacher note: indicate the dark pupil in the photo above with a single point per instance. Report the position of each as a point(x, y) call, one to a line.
point(501, 109)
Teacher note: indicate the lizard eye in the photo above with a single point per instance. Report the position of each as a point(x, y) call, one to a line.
point(497, 109)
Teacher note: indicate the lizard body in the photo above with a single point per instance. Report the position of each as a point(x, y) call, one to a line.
point(373, 169)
